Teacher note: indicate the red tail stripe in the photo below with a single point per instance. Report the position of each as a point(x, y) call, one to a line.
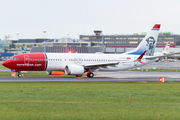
point(157, 26)
point(140, 57)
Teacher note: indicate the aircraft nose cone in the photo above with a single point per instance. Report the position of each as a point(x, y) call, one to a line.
point(5, 64)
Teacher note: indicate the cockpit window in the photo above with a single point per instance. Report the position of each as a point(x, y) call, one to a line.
point(13, 58)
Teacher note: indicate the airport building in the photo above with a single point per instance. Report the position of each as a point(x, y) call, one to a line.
point(122, 43)
point(3, 45)
point(62, 45)
point(128, 40)
point(66, 45)
point(90, 43)
point(15, 45)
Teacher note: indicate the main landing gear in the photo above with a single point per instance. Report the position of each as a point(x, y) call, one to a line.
point(17, 71)
point(78, 75)
point(90, 74)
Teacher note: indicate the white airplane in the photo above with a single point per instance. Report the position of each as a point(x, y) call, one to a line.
point(78, 64)
point(164, 52)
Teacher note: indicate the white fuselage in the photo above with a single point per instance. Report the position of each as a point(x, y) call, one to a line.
point(58, 61)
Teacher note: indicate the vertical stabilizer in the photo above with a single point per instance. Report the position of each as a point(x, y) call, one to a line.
point(148, 43)
point(166, 49)
point(23, 50)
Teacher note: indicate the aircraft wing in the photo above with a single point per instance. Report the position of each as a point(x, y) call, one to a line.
point(112, 64)
point(174, 53)
point(154, 57)
point(97, 65)
point(165, 55)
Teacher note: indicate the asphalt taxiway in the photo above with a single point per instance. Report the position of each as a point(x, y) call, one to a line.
point(107, 77)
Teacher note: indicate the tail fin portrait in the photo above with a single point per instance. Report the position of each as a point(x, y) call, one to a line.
point(148, 43)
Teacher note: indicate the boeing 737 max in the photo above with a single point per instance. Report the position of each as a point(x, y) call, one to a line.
point(78, 64)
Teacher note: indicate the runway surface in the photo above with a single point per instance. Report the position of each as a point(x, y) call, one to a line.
point(112, 76)
point(108, 77)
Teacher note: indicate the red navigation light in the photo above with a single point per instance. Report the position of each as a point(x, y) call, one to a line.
point(70, 51)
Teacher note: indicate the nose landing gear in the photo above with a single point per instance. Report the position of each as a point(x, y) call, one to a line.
point(18, 71)
point(19, 75)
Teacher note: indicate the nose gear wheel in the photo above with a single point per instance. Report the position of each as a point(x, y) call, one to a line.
point(19, 75)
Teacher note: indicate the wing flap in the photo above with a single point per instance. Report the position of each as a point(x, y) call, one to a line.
point(97, 65)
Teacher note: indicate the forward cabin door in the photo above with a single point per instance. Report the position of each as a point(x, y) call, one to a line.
point(26, 59)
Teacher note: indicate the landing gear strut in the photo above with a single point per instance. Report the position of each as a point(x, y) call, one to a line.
point(19, 75)
point(90, 74)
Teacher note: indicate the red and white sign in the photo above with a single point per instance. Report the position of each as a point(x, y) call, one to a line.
point(161, 79)
point(13, 74)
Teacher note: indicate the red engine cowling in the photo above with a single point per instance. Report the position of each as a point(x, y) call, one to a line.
point(74, 69)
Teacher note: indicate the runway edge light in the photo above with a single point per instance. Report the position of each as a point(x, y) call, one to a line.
point(161, 79)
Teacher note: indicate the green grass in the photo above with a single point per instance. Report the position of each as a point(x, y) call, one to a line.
point(89, 101)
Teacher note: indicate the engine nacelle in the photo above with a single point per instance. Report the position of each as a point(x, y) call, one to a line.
point(55, 72)
point(74, 69)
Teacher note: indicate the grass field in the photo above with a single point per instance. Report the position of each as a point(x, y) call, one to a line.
point(90, 101)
